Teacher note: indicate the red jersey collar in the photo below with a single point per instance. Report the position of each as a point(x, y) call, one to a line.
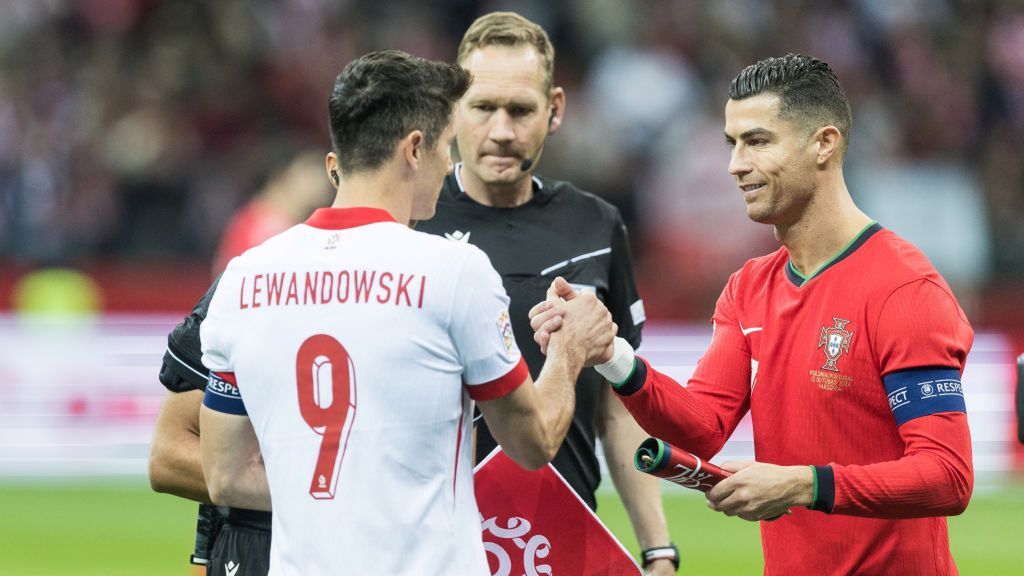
point(342, 218)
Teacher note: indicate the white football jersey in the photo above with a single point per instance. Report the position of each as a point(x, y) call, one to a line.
point(356, 346)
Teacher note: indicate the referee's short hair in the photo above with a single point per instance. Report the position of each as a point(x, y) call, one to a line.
point(381, 97)
point(512, 30)
point(808, 89)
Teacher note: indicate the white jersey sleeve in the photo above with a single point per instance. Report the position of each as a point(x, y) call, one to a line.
point(482, 332)
point(222, 392)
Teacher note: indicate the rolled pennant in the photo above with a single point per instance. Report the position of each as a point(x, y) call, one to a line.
point(676, 465)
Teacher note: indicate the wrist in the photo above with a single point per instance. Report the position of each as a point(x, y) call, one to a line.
point(806, 486)
point(620, 367)
point(651, 555)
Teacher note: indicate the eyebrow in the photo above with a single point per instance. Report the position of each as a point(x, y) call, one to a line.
point(751, 133)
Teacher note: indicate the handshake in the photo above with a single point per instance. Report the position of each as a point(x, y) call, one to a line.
point(573, 323)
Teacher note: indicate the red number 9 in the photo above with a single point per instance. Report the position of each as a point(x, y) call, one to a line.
point(320, 358)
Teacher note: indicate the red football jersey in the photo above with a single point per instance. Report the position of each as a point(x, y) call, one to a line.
point(855, 370)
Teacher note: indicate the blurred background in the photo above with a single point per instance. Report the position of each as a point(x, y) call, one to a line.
point(132, 130)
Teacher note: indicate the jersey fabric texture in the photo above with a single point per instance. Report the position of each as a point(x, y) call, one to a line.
point(561, 231)
point(356, 346)
point(856, 371)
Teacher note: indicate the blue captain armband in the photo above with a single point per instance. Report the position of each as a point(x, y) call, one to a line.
point(222, 394)
point(923, 391)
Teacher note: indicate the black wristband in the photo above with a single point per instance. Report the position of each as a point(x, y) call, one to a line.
point(635, 382)
point(824, 489)
point(670, 552)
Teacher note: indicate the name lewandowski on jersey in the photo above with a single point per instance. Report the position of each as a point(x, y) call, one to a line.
point(326, 287)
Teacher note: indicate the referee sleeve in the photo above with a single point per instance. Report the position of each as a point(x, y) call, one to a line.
point(623, 299)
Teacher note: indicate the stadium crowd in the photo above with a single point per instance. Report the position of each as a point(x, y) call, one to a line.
point(130, 130)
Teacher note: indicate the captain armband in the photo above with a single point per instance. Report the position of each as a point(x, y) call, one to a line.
point(920, 392)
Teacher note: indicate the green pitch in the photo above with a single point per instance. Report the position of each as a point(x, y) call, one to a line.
point(113, 529)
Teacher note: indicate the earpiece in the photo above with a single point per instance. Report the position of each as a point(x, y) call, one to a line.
point(335, 177)
point(527, 163)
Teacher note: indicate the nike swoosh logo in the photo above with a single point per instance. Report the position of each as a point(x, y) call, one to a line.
point(749, 330)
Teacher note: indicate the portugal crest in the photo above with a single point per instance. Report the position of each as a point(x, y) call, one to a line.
point(836, 341)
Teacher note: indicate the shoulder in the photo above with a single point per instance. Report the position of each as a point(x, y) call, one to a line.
point(590, 204)
point(757, 271)
point(892, 262)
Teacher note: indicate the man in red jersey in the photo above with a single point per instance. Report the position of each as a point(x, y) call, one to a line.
point(845, 345)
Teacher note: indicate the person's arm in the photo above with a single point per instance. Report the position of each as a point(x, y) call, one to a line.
point(232, 463)
point(699, 417)
point(175, 465)
point(921, 341)
point(530, 421)
point(640, 493)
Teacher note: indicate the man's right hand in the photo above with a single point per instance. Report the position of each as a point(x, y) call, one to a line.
point(576, 320)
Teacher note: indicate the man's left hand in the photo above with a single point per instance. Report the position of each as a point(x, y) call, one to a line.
point(758, 491)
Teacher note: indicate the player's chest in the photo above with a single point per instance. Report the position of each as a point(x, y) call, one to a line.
point(813, 347)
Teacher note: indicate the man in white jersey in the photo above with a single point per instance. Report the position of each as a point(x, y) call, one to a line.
point(350, 349)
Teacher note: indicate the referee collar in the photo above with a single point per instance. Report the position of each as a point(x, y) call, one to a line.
point(539, 192)
point(342, 218)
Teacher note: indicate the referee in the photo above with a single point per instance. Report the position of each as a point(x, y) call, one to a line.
point(534, 229)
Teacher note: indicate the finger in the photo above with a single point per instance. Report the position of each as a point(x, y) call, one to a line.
point(539, 308)
point(721, 491)
point(561, 289)
point(735, 465)
point(540, 319)
point(541, 338)
point(551, 325)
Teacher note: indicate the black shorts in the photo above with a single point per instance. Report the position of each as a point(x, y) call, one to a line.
point(240, 552)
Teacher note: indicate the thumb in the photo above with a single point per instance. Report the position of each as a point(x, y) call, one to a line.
point(561, 289)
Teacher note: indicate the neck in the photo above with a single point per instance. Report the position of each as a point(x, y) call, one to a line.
point(508, 195)
point(828, 224)
point(375, 190)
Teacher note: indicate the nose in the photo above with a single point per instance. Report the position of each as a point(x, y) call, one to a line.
point(739, 164)
point(502, 130)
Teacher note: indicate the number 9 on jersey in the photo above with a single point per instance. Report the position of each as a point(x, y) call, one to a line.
point(326, 382)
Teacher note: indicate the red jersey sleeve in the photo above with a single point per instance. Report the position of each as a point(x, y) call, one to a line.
point(921, 342)
point(701, 416)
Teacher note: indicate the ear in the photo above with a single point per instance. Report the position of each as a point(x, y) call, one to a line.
point(557, 109)
point(829, 140)
point(333, 167)
point(412, 149)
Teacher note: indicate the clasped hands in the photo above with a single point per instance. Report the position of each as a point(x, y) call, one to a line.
point(576, 320)
point(756, 490)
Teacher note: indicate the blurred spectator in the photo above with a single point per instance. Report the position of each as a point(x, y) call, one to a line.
point(289, 197)
point(133, 129)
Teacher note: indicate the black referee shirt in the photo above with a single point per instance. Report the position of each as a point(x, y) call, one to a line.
point(561, 231)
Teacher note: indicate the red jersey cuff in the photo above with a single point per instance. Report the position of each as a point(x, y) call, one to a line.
point(500, 386)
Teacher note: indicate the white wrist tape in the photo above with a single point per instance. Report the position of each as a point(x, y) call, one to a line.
point(618, 369)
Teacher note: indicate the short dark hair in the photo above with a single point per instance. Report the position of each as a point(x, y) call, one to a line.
point(382, 96)
point(808, 89)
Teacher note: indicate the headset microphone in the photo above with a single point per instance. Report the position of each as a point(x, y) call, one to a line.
point(528, 162)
